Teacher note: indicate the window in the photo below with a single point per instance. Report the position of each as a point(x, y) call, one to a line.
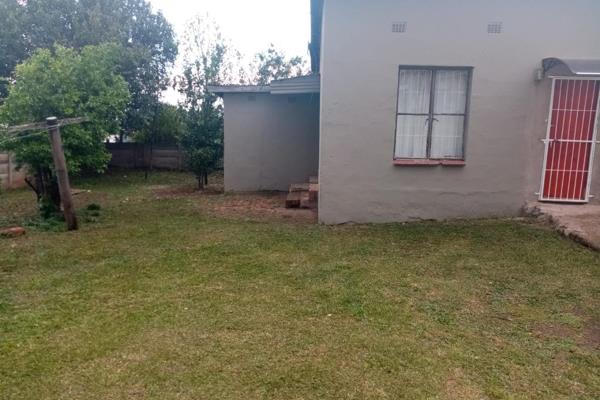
point(432, 113)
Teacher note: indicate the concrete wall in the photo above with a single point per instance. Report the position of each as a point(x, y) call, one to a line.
point(361, 57)
point(271, 141)
point(10, 178)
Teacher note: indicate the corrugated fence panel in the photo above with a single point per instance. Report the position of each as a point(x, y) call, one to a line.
point(136, 155)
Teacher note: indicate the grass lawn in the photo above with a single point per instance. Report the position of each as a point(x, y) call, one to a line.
point(169, 294)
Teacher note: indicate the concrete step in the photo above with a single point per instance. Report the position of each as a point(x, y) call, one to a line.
point(303, 195)
point(313, 192)
point(299, 187)
point(293, 200)
point(306, 202)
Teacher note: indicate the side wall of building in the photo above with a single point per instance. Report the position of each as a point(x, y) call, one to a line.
point(271, 141)
point(361, 57)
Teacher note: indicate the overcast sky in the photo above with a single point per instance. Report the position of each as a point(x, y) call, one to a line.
point(250, 25)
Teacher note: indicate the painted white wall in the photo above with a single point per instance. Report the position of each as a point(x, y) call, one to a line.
point(361, 57)
point(271, 141)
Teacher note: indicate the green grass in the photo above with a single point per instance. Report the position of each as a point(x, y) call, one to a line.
point(162, 297)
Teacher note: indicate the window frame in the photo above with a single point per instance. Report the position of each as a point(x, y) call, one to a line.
point(431, 116)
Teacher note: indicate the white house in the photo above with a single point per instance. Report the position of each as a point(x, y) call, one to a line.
point(428, 110)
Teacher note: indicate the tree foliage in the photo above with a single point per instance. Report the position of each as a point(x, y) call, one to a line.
point(65, 83)
point(208, 60)
point(147, 39)
point(272, 64)
point(12, 45)
point(167, 127)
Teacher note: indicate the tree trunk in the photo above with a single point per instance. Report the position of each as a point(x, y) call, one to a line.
point(200, 179)
point(47, 192)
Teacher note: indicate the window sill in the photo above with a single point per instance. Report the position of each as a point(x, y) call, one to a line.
point(428, 163)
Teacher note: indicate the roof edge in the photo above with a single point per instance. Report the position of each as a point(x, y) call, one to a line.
point(222, 89)
point(305, 84)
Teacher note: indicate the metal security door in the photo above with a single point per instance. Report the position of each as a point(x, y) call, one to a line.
point(570, 141)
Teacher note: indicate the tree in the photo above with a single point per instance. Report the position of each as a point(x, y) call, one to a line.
point(12, 46)
point(167, 128)
point(65, 83)
point(272, 65)
point(147, 39)
point(208, 60)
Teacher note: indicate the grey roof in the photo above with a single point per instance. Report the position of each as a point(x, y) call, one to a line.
point(298, 85)
point(571, 67)
point(222, 89)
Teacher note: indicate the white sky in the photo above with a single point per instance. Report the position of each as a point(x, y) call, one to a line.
point(251, 25)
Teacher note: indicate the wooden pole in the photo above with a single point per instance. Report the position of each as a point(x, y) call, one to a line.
point(60, 165)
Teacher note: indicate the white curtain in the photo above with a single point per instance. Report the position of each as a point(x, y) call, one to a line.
point(450, 103)
point(414, 93)
point(411, 139)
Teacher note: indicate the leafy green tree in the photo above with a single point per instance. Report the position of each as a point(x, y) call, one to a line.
point(147, 39)
point(167, 127)
point(208, 60)
point(272, 65)
point(65, 83)
point(12, 43)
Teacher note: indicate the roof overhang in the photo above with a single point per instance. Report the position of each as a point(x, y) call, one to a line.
point(223, 89)
point(299, 85)
point(569, 67)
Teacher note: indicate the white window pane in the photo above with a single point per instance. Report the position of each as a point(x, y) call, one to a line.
point(411, 136)
point(414, 90)
point(447, 137)
point(451, 92)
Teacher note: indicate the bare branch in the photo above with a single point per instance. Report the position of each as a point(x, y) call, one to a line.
point(32, 186)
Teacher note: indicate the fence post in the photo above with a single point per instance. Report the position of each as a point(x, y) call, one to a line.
point(60, 165)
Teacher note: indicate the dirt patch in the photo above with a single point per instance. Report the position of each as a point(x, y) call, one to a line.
point(240, 205)
point(174, 192)
point(591, 335)
point(554, 330)
point(459, 387)
point(588, 338)
point(258, 205)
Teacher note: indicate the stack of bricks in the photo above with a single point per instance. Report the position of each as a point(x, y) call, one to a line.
point(303, 195)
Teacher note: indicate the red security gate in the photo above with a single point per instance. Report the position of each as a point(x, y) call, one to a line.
point(570, 141)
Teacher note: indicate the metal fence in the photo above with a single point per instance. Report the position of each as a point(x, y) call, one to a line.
point(138, 155)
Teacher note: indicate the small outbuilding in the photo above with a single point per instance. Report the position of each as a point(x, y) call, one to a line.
point(271, 134)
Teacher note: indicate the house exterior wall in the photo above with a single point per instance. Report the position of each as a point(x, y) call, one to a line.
point(504, 154)
point(271, 141)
